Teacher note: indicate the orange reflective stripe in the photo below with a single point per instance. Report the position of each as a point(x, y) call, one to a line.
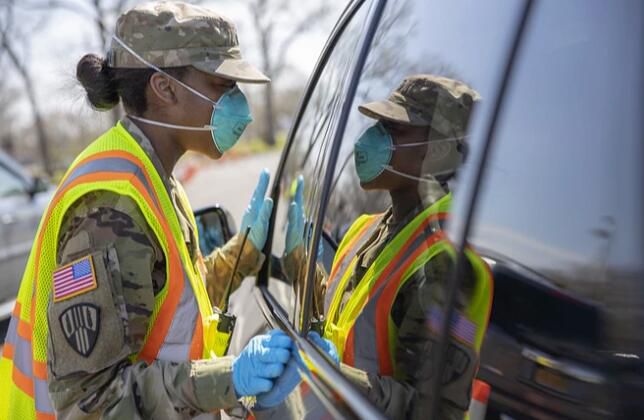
point(40, 370)
point(24, 329)
point(403, 250)
point(8, 350)
point(16, 310)
point(349, 351)
point(385, 302)
point(45, 416)
point(196, 346)
point(22, 381)
point(348, 248)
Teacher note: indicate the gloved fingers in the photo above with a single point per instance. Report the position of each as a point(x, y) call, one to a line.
point(315, 337)
point(299, 192)
point(277, 339)
point(264, 214)
point(275, 355)
point(261, 385)
point(260, 190)
point(325, 345)
point(271, 370)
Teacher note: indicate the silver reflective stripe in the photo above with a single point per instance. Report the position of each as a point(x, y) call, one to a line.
point(110, 165)
point(364, 328)
point(346, 262)
point(174, 352)
point(41, 394)
point(22, 357)
point(176, 344)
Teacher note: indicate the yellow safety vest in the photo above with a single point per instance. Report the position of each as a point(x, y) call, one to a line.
point(365, 322)
point(179, 328)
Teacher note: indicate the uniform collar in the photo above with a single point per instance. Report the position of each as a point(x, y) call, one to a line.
point(145, 143)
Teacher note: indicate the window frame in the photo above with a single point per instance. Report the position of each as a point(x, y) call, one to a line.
point(328, 380)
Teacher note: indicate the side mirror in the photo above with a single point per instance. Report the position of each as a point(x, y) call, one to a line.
point(216, 226)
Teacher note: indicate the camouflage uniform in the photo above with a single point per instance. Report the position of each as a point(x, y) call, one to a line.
point(130, 267)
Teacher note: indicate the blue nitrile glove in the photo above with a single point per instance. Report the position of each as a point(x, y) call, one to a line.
point(258, 213)
point(325, 345)
point(263, 359)
point(295, 228)
point(282, 387)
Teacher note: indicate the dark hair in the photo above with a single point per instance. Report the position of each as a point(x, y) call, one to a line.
point(107, 86)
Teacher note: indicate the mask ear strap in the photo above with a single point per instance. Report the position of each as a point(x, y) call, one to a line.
point(168, 125)
point(152, 66)
point(426, 142)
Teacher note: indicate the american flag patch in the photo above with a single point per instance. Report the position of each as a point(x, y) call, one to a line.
point(461, 328)
point(74, 279)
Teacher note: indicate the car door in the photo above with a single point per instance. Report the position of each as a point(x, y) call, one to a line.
point(411, 37)
point(558, 212)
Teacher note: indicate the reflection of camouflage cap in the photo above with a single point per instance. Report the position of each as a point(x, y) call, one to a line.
point(427, 100)
point(175, 34)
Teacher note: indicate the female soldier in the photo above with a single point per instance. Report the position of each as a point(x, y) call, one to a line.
point(112, 317)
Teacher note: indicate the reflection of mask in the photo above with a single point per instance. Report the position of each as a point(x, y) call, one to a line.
point(372, 152)
point(229, 118)
point(374, 149)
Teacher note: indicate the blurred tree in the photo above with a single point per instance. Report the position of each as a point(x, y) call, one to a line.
point(14, 44)
point(273, 44)
point(103, 13)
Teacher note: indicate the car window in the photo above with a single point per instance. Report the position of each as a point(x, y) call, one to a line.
point(447, 57)
point(308, 156)
point(560, 210)
point(460, 46)
point(10, 184)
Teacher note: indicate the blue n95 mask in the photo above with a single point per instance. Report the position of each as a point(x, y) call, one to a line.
point(230, 114)
point(374, 149)
point(372, 152)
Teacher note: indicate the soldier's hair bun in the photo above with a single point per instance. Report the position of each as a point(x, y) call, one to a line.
point(97, 78)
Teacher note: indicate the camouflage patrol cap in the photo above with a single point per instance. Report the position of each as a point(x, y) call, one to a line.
point(175, 34)
point(427, 100)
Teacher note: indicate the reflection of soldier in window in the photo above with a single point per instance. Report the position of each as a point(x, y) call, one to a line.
point(384, 298)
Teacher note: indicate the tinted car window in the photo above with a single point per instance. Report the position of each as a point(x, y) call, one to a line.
point(465, 42)
point(308, 156)
point(561, 209)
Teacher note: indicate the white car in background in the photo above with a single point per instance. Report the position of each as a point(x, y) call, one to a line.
point(23, 199)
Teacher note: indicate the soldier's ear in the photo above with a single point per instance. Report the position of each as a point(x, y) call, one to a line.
point(163, 89)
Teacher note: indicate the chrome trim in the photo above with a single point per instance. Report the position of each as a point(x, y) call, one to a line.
point(568, 368)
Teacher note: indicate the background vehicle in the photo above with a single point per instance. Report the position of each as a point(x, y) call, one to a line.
point(23, 199)
point(550, 193)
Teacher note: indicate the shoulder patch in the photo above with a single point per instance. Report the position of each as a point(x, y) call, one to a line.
point(73, 279)
point(81, 324)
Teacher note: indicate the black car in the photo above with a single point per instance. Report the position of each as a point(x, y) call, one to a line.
point(550, 194)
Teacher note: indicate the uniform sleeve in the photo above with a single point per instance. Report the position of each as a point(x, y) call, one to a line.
point(221, 262)
point(405, 395)
point(294, 268)
point(96, 331)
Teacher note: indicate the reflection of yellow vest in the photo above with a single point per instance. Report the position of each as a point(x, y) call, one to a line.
point(364, 324)
point(114, 162)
